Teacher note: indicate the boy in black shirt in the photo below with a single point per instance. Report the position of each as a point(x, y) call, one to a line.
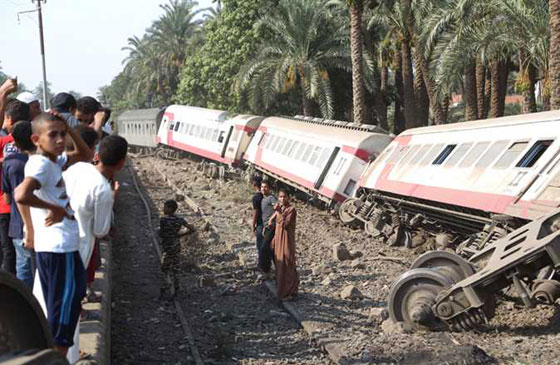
point(169, 227)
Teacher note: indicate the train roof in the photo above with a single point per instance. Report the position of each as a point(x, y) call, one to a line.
point(195, 112)
point(139, 114)
point(350, 136)
point(543, 117)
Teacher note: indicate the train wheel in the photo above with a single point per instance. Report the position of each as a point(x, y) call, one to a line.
point(23, 325)
point(412, 296)
point(348, 209)
point(460, 267)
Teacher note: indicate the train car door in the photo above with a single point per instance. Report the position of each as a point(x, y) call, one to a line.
point(325, 171)
point(226, 140)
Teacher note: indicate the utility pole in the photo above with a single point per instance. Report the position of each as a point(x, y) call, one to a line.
point(45, 85)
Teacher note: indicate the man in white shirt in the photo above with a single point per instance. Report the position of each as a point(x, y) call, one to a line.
point(92, 198)
point(91, 195)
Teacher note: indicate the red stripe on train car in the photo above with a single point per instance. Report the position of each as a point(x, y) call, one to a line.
point(359, 153)
point(244, 128)
point(202, 152)
point(483, 201)
point(297, 179)
point(169, 115)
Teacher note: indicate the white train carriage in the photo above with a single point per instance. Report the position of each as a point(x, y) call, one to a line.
point(139, 126)
point(460, 176)
point(322, 158)
point(211, 134)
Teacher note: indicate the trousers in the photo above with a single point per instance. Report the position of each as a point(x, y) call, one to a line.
point(8, 259)
point(265, 253)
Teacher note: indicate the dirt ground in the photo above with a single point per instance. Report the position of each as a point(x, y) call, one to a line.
point(515, 336)
point(233, 318)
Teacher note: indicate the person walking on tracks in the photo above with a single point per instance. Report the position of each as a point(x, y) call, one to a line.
point(284, 247)
point(169, 227)
point(267, 211)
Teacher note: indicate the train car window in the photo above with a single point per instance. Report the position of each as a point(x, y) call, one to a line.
point(197, 131)
point(350, 187)
point(263, 141)
point(431, 155)
point(493, 152)
point(268, 142)
point(315, 155)
point(324, 157)
point(215, 135)
point(458, 154)
point(397, 154)
point(411, 152)
point(534, 153)
point(474, 154)
point(299, 154)
point(307, 153)
point(287, 147)
point(293, 149)
point(171, 126)
point(444, 154)
point(423, 150)
point(340, 165)
point(208, 134)
point(192, 129)
point(280, 145)
point(510, 155)
point(275, 144)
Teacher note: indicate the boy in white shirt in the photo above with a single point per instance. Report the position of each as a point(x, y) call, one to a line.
point(56, 239)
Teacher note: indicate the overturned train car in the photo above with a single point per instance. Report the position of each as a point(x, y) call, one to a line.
point(471, 182)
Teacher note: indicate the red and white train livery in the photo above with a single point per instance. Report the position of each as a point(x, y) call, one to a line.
point(321, 157)
point(211, 134)
point(460, 177)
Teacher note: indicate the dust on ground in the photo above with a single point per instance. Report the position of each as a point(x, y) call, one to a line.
point(515, 336)
point(233, 319)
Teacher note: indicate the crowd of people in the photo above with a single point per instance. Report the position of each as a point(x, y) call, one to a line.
point(56, 200)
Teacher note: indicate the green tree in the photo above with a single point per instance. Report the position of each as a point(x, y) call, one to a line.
point(302, 42)
point(211, 66)
point(555, 53)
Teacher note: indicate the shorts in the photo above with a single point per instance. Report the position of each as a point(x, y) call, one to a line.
point(63, 280)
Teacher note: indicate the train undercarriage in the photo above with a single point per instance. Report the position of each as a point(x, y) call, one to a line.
point(410, 222)
point(457, 291)
point(442, 290)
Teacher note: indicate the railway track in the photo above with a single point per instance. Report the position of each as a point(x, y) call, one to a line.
point(179, 309)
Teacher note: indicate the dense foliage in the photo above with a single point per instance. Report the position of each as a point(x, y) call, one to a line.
point(397, 63)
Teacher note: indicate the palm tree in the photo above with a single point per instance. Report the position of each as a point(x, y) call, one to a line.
point(302, 42)
point(356, 44)
point(554, 53)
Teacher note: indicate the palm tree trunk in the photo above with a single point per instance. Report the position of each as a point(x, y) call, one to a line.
point(554, 59)
point(358, 92)
point(529, 100)
point(398, 121)
point(487, 94)
point(480, 83)
point(470, 92)
point(499, 85)
point(439, 116)
point(411, 116)
point(445, 107)
point(421, 95)
point(305, 102)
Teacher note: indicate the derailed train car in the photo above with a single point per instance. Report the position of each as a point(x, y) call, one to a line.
point(213, 134)
point(473, 181)
point(139, 127)
point(323, 158)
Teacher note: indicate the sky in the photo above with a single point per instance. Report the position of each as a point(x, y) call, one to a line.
point(83, 40)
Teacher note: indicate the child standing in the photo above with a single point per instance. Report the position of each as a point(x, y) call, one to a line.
point(169, 227)
point(56, 240)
